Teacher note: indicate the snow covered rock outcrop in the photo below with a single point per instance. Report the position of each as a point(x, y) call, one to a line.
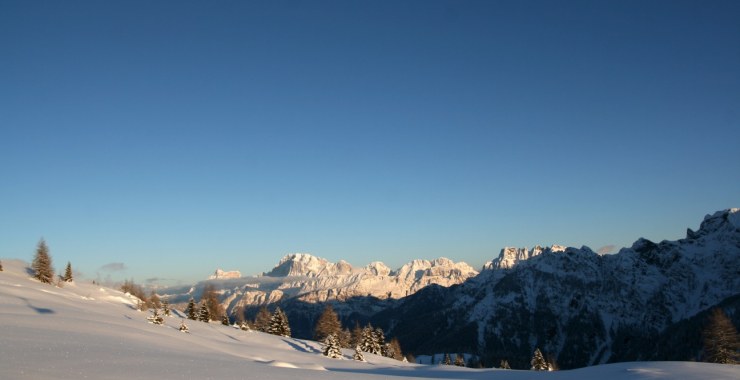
point(223, 275)
point(646, 302)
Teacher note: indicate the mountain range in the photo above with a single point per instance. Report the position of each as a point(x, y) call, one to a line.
point(646, 302)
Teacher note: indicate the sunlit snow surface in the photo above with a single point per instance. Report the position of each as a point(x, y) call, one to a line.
point(82, 331)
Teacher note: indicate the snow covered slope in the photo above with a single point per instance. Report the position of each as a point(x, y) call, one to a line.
point(84, 331)
point(581, 307)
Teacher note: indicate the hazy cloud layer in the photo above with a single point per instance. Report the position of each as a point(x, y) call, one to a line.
point(113, 267)
point(606, 249)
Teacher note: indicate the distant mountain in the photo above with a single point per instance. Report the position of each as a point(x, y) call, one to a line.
point(301, 278)
point(580, 307)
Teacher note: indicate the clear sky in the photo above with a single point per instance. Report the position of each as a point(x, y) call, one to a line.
point(163, 140)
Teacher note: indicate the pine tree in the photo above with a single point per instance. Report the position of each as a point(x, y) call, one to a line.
point(155, 318)
point(42, 267)
point(327, 324)
point(358, 354)
point(225, 320)
point(378, 337)
point(331, 347)
point(721, 341)
point(262, 320)
point(345, 339)
point(184, 327)
point(190, 310)
point(204, 315)
point(459, 360)
point(538, 361)
point(166, 308)
point(370, 341)
point(447, 360)
point(68, 273)
point(279, 324)
point(504, 364)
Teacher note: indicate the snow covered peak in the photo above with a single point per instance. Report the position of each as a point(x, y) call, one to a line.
point(301, 264)
point(223, 275)
point(511, 256)
point(721, 222)
point(377, 268)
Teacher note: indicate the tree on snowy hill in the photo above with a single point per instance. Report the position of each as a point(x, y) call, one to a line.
point(358, 354)
point(204, 315)
point(137, 291)
point(166, 307)
point(504, 364)
point(184, 327)
point(1, 266)
point(262, 320)
point(68, 273)
point(370, 341)
point(43, 270)
point(721, 341)
point(154, 301)
point(190, 310)
point(538, 361)
point(211, 299)
point(459, 360)
point(279, 324)
point(392, 350)
point(446, 360)
point(331, 347)
point(244, 326)
point(155, 318)
point(327, 324)
point(225, 320)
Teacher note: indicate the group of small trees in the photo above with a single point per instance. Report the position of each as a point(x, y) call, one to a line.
point(721, 341)
point(42, 266)
point(329, 330)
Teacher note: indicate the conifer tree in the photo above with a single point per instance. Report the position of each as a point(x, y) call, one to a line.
point(447, 360)
point(331, 347)
point(42, 267)
point(184, 327)
point(211, 300)
point(394, 349)
point(504, 364)
point(721, 341)
point(204, 315)
point(356, 335)
point(154, 301)
point(262, 320)
point(68, 273)
point(459, 360)
point(279, 324)
point(538, 361)
point(155, 318)
point(358, 354)
point(371, 340)
point(327, 324)
point(225, 320)
point(190, 310)
point(166, 308)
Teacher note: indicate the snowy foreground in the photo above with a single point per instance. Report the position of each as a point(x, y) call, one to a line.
point(84, 331)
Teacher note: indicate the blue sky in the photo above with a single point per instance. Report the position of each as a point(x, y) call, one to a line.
point(167, 140)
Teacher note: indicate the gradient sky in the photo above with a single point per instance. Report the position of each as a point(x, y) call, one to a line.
point(163, 140)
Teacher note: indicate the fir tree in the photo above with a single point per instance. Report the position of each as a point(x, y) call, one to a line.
point(184, 327)
point(369, 341)
point(155, 318)
point(279, 324)
point(327, 324)
point(225, 320)
point(358, 354)
point(262, 320)
point(721, 341)
point(446, 360)
point(42, 267)
point(504, 364)
point(166, 308)
point(331, 347)
point(459, 360)
point(204, 315)
point(190, 310)
point(68, 273)
point(538, 361)
point(210, 297)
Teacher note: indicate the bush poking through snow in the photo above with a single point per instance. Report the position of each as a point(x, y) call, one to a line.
point(184, 327)
point(155, 318)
